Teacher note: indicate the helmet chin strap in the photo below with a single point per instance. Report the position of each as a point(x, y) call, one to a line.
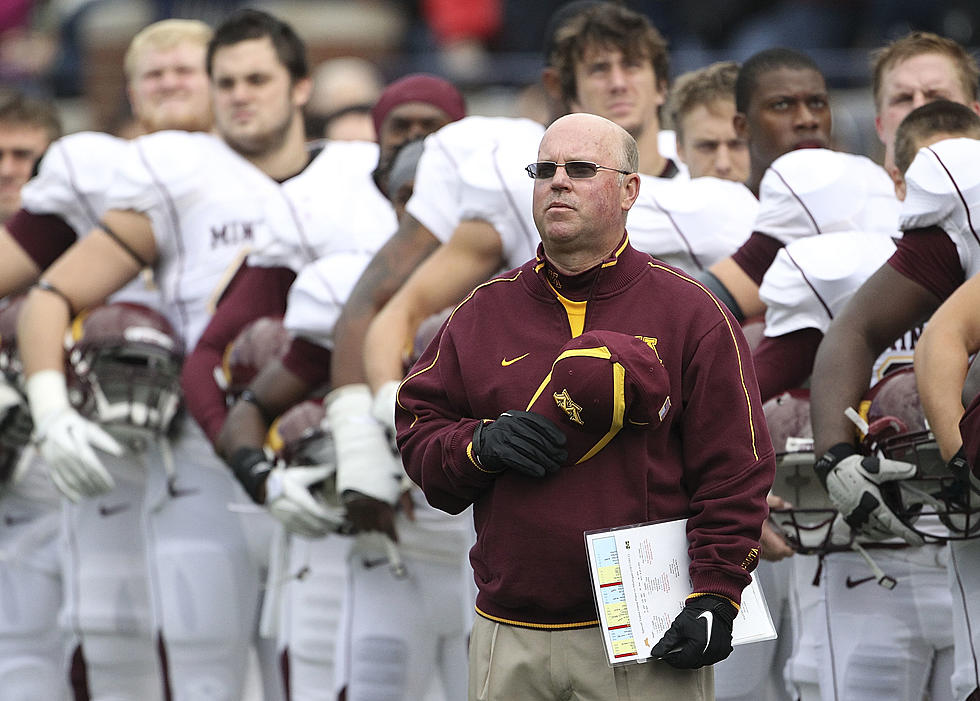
point(884, 580)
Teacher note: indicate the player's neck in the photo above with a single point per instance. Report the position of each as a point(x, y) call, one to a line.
point(651, 161)
point(288, 158)
point(755, 179)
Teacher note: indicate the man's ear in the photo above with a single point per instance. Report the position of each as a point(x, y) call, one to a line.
point(741, 125)
point(898, 180)
point(551, 83)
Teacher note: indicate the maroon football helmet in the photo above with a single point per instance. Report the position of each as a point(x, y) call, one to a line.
point(897, 429)
point(301, 437)
point(807, 523)
point(124, 369)
point(260, 342)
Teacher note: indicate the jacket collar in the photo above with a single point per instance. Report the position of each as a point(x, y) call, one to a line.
point(606, 277)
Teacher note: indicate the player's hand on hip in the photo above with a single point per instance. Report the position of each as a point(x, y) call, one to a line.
point(522, 441)
point(854, 483)
point(289, 498)
point(68, 443)
point(700, 635)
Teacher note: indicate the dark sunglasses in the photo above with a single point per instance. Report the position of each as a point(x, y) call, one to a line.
point(577, 170)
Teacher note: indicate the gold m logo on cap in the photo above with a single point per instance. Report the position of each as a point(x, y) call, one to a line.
point(571, 409)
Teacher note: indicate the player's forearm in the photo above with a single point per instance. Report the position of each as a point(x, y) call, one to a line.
point(841, 375)
point(274, 390)
point(41, 331)
point(388, 336)
point(244, 428)
point(387, 271)
point(941, 361)
point(740, 286)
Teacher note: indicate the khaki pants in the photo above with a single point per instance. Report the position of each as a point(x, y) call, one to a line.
point(508, 663)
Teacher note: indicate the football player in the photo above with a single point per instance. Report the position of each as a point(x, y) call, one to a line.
point(374, 654)
point(32, 645)
point(935, 254)
point(27, 126)
point(702, 111)
point(170, 187)
point(346, 218)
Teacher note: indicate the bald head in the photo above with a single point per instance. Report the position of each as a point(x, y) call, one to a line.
point(582, 219)
point(626, 155)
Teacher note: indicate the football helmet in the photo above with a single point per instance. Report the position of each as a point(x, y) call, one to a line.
point(808, 524)
point(258, 343)
point(301, 437)
point(15, 416)
point(124, 364)
point(897, 429)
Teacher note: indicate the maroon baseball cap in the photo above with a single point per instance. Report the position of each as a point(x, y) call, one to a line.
point(600, 382)
point(419, 87)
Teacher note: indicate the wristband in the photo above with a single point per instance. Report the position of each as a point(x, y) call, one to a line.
point(829, 460)
point(248, 395)
point(251, 468)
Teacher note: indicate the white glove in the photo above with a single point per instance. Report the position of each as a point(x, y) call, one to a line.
point(365, 461)
point(288, 498)
point(66, 440)
point(853, 486)
point(383, 407)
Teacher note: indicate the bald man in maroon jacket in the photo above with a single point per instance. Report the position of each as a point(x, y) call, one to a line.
point(688, 439)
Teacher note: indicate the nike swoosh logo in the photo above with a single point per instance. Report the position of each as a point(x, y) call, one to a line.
point(176, 492)
point(110, 510)
point(709, 619)
point(369, 564)
point(851, 583)
point(504, 362)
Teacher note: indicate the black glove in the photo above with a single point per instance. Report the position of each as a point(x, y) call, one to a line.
point(960, 467)
point(700, 635)
point(251, 468)
point(519, 440)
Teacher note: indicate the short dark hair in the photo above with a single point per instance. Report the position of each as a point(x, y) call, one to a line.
point(764, 62)
point(607, 24)
point(917, 44)
point(255, 24)
point(22, 110)
point(704, 86)
point(937, 117)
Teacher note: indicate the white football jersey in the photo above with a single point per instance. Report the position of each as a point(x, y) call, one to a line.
point(332, 206)
point(317, 296)
point(943, 189)
point(72, 181)
point(691, 223)
point(208, 207)
point(818, 191)
point(436, 200)
point(495, 188)
point(812, 279)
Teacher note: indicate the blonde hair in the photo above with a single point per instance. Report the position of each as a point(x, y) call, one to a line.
point(916, 44)
point(165, 34)
point(704, 86)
